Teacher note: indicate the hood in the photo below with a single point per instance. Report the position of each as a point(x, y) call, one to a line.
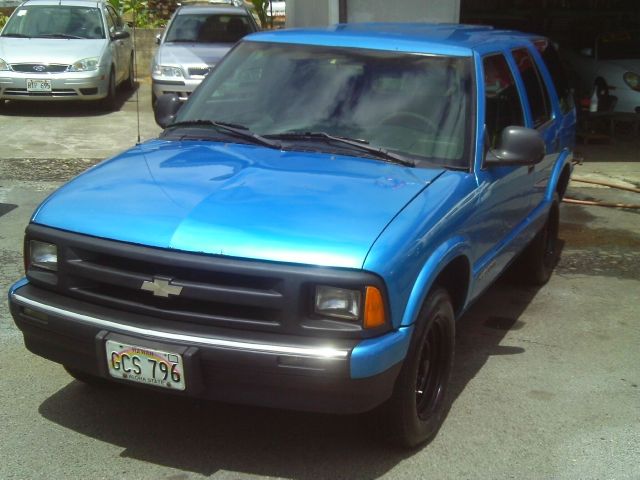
point(191, 53)
point(238, 200)
point(626, 64)
point(49, 50)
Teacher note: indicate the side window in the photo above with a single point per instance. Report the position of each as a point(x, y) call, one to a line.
point(503, 107)
point(111, 23)
point(116, 18)
point(558, 73)
point(536, 91)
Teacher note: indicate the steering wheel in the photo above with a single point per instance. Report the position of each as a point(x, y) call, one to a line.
point(411, 120)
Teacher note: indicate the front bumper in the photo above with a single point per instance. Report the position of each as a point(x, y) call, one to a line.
point(64, 86)
point(254, 368)
point(182, 88)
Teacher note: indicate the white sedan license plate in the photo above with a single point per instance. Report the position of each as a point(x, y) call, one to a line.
point(38, 85)
point(145, 365)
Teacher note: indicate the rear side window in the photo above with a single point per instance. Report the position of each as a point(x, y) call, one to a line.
point(536, 91)
point(558, 73)
point(503, 107)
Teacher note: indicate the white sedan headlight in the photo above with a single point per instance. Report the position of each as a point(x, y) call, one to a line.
point(85, 65)
point(3, 65)
point(633, 80)
point(167, 71)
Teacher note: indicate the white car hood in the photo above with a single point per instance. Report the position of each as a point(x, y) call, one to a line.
point(627, 64)
point(49, 50)
point(192, 53)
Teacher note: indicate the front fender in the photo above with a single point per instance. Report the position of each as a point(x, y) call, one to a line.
point(435, 264)
point(563, 160)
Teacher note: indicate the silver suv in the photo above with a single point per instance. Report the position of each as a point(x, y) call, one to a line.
point(197, 37)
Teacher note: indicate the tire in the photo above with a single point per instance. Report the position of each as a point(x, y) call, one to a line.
point(541, 255)
point(130, 82)
point(108, 103)
point(87, 378)
point(419, 402)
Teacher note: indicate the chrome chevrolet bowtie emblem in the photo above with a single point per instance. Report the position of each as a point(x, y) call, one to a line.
point(161, 287)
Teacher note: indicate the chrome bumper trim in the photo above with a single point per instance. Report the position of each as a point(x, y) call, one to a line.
point(313, 352)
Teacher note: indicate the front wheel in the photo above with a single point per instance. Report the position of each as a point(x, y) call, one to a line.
point(108, 103)
point(419, 401)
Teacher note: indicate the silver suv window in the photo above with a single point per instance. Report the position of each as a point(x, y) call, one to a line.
point(208, 28)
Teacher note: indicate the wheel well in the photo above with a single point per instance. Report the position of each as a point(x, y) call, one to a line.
point(563, 182)
point(455, 280)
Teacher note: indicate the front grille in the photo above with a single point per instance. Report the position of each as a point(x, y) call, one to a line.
point(198, 71)
point(58, 92)
point(36, 68)
point(215, 291)
point(208, 296)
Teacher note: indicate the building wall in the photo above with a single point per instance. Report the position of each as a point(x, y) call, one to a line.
point(403, 11)
point(305, 13)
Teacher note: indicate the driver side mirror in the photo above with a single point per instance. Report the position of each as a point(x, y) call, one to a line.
point(518, 146)
point(167, 107)
point(120, 35)
point(158, 37)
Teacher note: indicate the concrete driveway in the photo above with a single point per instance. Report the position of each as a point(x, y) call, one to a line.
point(545, 383)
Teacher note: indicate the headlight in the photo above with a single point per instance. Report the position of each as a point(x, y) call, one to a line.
point(337, 302)
point(43, 255)
point(3, 65)
point(85, 65)
point(167, 71)
point(633, 80)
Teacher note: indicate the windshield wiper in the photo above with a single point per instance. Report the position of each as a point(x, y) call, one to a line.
point(233, 128)
point(59, 35)
point(377, 152)
point(16, 35)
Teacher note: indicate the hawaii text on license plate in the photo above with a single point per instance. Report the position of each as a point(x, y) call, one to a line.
point(145, 365)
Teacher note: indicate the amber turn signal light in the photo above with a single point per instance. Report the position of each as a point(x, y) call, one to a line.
point(373, 308)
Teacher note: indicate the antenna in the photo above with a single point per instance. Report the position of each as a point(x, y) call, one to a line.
point(135, 73)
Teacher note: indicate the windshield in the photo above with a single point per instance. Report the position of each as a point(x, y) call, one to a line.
point(207, 28)
point(618, 46)
point(414, 105)
point(55, 21)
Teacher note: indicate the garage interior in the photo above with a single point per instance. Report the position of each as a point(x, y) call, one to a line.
point(572, 23)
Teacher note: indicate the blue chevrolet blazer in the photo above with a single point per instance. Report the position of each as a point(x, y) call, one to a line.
point(310, 223)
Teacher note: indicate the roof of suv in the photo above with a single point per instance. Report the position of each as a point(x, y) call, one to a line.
point(435, 38)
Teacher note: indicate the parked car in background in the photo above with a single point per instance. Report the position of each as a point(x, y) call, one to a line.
point(612, 67)
point(56, 50)
point(195, 40)
point(277, 8)
point(310, 248)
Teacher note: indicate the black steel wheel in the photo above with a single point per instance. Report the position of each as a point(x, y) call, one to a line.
point(419, 402)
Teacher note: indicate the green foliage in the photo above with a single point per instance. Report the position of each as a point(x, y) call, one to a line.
point(138, 13)
point(3, 20)
point(261, 10)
